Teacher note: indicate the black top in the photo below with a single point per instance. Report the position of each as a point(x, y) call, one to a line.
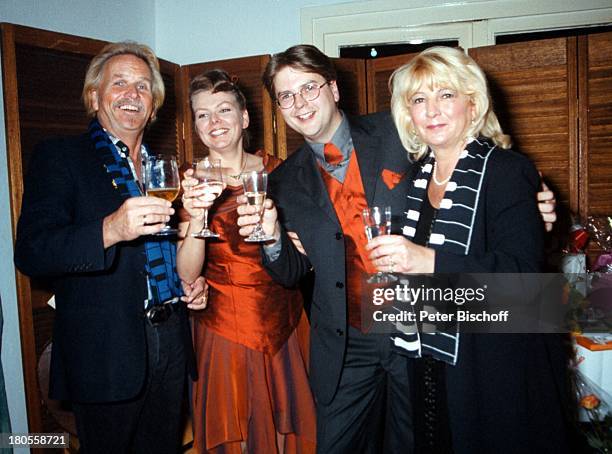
point(426, 220)
point(432, 427)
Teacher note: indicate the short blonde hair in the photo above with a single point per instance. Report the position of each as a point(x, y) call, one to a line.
point(95, 71)
point(445, 67)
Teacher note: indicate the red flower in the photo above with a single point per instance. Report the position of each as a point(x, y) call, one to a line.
point(391, 179)
point(589, 402)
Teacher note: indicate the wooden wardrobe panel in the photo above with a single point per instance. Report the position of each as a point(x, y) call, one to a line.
point(165, 134)
point(352, 85)
point(378, 73)
point(40, 102)
point(598, 124)
point(533, 89)
point(247, 73)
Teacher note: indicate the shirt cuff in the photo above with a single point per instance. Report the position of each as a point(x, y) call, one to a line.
point(272, 251)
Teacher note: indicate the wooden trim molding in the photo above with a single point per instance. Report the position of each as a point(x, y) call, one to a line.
point(14, 159)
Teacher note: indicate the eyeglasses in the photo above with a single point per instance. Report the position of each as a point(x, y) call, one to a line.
point(308, 92)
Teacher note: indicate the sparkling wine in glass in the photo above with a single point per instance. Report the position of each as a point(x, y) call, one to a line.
point(208, 173)
point(377, 221)
point(255, 187)
point(161, 180)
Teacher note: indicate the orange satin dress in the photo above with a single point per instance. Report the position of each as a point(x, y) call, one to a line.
point(251, 345)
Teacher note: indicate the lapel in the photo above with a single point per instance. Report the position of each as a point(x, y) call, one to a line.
point(311, 183)
point(369, 156)
point(100, 177)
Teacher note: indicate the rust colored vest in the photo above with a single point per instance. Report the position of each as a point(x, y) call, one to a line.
point(349, 200)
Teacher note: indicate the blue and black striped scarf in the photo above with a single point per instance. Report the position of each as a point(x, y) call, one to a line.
point(161, 253)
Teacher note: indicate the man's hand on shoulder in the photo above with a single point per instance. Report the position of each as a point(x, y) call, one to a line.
point(547, 206)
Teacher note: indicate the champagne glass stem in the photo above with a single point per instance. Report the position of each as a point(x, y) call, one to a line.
point(205, 219)
point(259, 225)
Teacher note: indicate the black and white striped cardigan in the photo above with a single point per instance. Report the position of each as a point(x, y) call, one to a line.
point(451, 232)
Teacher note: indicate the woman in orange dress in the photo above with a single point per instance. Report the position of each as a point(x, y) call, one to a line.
point(252, 393)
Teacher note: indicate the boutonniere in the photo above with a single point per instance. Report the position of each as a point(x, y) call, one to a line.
point(391, 179)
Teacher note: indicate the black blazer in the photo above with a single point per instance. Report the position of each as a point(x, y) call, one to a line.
point(507, 392)
point(99, 350)
point(304, 207)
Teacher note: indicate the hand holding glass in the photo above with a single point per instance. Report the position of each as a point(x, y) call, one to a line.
point(161, 179)
point(377, 221)
point(255, 187)
point(208, 173)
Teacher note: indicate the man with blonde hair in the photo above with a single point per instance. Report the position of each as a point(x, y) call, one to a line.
point(121, 340)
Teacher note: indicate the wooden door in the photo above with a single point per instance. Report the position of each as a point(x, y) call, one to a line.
point(43, 74)
point(352, 85)
point(533, 86)
point(595, 87)
point(247, 73)
point(378, 73)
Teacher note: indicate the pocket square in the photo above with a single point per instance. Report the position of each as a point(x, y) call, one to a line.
point(391, 179)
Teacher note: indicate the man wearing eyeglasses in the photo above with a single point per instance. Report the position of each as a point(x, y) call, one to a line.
point(320, 192)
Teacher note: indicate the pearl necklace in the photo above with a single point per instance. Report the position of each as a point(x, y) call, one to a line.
point(443, 182)
point(237, 176)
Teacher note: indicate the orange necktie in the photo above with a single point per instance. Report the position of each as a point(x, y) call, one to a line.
point(332, 154)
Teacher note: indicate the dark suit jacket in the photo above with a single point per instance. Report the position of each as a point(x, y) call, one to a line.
point(99, 351)
point(304, 207)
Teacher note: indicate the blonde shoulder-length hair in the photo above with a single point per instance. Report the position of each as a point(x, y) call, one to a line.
point(444, 67)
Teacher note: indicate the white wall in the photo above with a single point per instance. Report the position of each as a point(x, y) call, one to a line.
point(110, 20)
point(192, 31)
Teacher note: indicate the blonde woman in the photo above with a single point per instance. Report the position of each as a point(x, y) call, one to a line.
point(472, 208)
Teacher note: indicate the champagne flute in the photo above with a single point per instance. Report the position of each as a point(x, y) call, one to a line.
point(161, 179)
point(377, 222)
point(255, 187)
point(208, 173)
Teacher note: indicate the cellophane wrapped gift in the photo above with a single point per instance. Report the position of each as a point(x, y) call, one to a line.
point(600, 295)
point(595, 407)
point(573, 261)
